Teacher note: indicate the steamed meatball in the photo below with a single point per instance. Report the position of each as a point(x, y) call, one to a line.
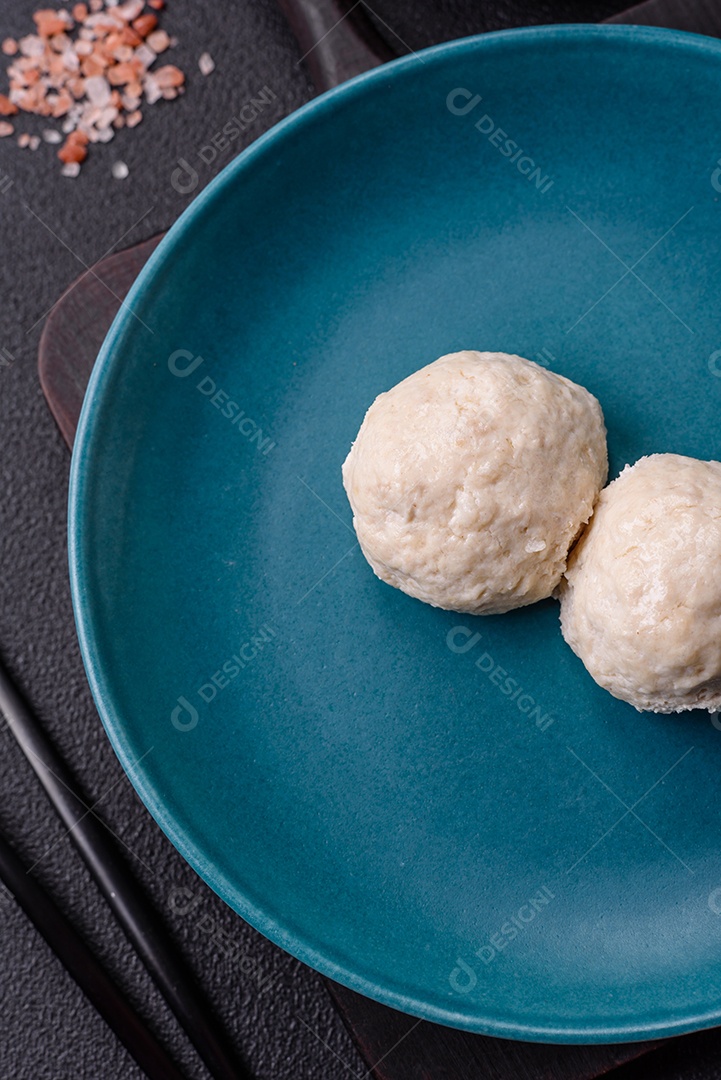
point(641, 601)
point(470, 480)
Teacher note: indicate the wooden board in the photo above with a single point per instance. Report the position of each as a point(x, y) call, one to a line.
point(400, 1047)
point(76, 328)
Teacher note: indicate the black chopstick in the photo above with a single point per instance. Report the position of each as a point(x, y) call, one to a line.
point(122, 892)
point(87, 971)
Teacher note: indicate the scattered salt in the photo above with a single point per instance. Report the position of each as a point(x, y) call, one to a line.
point(89, 68)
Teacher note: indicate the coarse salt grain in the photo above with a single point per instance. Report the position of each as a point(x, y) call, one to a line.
point(97, 90)
point(71, 169)
point(107, 116)
point(145, 55)
point(158, 41)
point(120, 170)
point(145, 24)
point(6, 129)
point(206, 64)
point(153, 92)
point(31, 45)
point(130, 10)
point(168, 76)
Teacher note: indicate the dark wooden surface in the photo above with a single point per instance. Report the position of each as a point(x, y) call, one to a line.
point(337, 45)
point(696, 16)
point(336, 40)
point(75, 328)
point(400, 1047)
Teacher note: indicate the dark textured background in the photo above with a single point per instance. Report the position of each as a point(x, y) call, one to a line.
point(51, 226)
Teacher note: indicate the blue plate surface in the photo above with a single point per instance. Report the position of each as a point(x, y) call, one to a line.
point(443, 812)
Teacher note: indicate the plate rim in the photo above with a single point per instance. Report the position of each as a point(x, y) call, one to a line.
point(277, 929)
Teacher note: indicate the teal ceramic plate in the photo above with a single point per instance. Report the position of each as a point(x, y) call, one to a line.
point(442, 812)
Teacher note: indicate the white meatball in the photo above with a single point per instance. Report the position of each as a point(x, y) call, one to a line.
point(641, 602)
point(470, 480)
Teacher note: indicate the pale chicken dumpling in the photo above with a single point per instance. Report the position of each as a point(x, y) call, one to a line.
point(470, 480)
point(641, 601)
